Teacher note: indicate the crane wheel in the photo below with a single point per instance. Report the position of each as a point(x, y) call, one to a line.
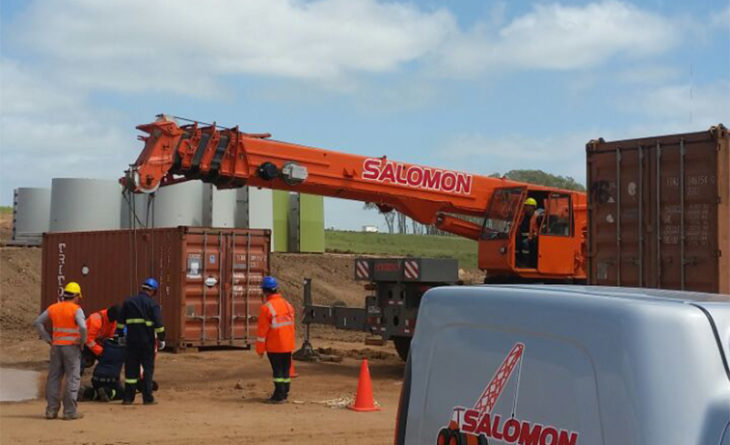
point(443, 437)
point(402, 346)
point(457, 438)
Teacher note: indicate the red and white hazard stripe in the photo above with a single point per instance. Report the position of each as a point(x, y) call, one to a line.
point(410, 269)
point(362, 269)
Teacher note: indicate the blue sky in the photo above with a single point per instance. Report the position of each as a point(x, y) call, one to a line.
point(471, 85)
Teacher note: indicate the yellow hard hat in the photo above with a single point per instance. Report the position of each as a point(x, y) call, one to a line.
point(530, 202)
point(73, 288)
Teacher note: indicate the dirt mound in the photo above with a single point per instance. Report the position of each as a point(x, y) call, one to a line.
point(6, 227)
point(331, 274)
point(332, 278)
point(361, 353)
point(20, 276)
point(20, 283)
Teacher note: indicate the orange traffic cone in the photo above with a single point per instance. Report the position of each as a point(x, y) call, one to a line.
point(364, 400)
point(292, 371)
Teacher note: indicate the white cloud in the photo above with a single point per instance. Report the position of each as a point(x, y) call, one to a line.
point(48, 130)
point(682, 107)
point(721, 18)
point(648, 74)
point(187, 47)
point(25, 92)
point(477, 153)
point(182, 47)
point(557, 37)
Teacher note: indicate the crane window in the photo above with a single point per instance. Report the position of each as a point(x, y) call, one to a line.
point(557, 221)
point(501, 213)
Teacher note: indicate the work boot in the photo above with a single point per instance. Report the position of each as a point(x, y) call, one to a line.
point(50, 415)
point(102, 395)
point(86, 394)
point(287, 385)
point(129, 392)
point(278, 395)
point(149, 401)
point(275, 399)
point(74, 416)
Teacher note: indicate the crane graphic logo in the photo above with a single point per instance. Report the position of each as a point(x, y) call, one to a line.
point(480, 426)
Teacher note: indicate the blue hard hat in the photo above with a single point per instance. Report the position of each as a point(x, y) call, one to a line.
point(269, 283)
point(151, 284)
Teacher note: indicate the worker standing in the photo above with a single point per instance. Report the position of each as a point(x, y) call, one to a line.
point(142, 318)
point(100, 326)
point(276, 337)
point(69, 336)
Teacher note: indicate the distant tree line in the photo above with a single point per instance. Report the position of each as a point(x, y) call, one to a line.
point(540, 177)
point(397, 222)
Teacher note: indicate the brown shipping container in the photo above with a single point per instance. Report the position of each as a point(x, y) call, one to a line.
point(659, 211)
point(209, 278)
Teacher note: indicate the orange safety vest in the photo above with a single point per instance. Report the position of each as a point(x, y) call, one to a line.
point(99, 329)
point(276, 326)
point(63, 317)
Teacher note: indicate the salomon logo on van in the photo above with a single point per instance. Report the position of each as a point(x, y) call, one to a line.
point(478, 424)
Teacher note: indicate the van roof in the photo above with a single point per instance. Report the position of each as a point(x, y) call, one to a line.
point(631, 293)
point(716, 307)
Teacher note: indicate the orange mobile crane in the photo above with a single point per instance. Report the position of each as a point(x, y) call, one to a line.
point(230, 158)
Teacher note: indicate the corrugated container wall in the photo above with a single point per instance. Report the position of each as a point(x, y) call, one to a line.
point(659, 211)
point(210, 278)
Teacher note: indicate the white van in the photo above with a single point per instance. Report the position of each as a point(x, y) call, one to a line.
point(567, 365)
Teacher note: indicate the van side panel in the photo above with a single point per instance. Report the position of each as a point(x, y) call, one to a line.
point(593, 369)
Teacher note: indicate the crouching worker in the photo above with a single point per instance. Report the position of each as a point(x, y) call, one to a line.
point(105, 380)
point(100, 326)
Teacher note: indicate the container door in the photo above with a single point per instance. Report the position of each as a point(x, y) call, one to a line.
point(203, 289)
point(248, 263)
point(555, 242)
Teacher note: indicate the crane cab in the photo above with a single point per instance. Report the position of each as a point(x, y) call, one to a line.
point(525, 242)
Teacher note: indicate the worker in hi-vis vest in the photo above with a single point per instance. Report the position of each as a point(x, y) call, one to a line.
point(67, 342)
point(276, 337)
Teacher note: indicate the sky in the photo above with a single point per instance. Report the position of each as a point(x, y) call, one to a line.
point(473, 85)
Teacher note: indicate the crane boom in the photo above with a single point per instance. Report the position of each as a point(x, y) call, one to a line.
point(230, 158)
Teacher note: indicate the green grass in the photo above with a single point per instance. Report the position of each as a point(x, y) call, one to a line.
point(431, 246)
point(5, 210)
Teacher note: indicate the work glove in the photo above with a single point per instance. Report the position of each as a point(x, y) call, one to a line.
point(161, 346)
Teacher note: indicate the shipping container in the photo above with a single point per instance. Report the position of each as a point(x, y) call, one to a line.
point(659, 211)
point(209, 277)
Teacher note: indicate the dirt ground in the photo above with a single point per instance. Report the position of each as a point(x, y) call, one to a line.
point(210, 396)
point(216, 397)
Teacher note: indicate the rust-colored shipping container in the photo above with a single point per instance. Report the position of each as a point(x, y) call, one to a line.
point(209, 278)
point(659, 211)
